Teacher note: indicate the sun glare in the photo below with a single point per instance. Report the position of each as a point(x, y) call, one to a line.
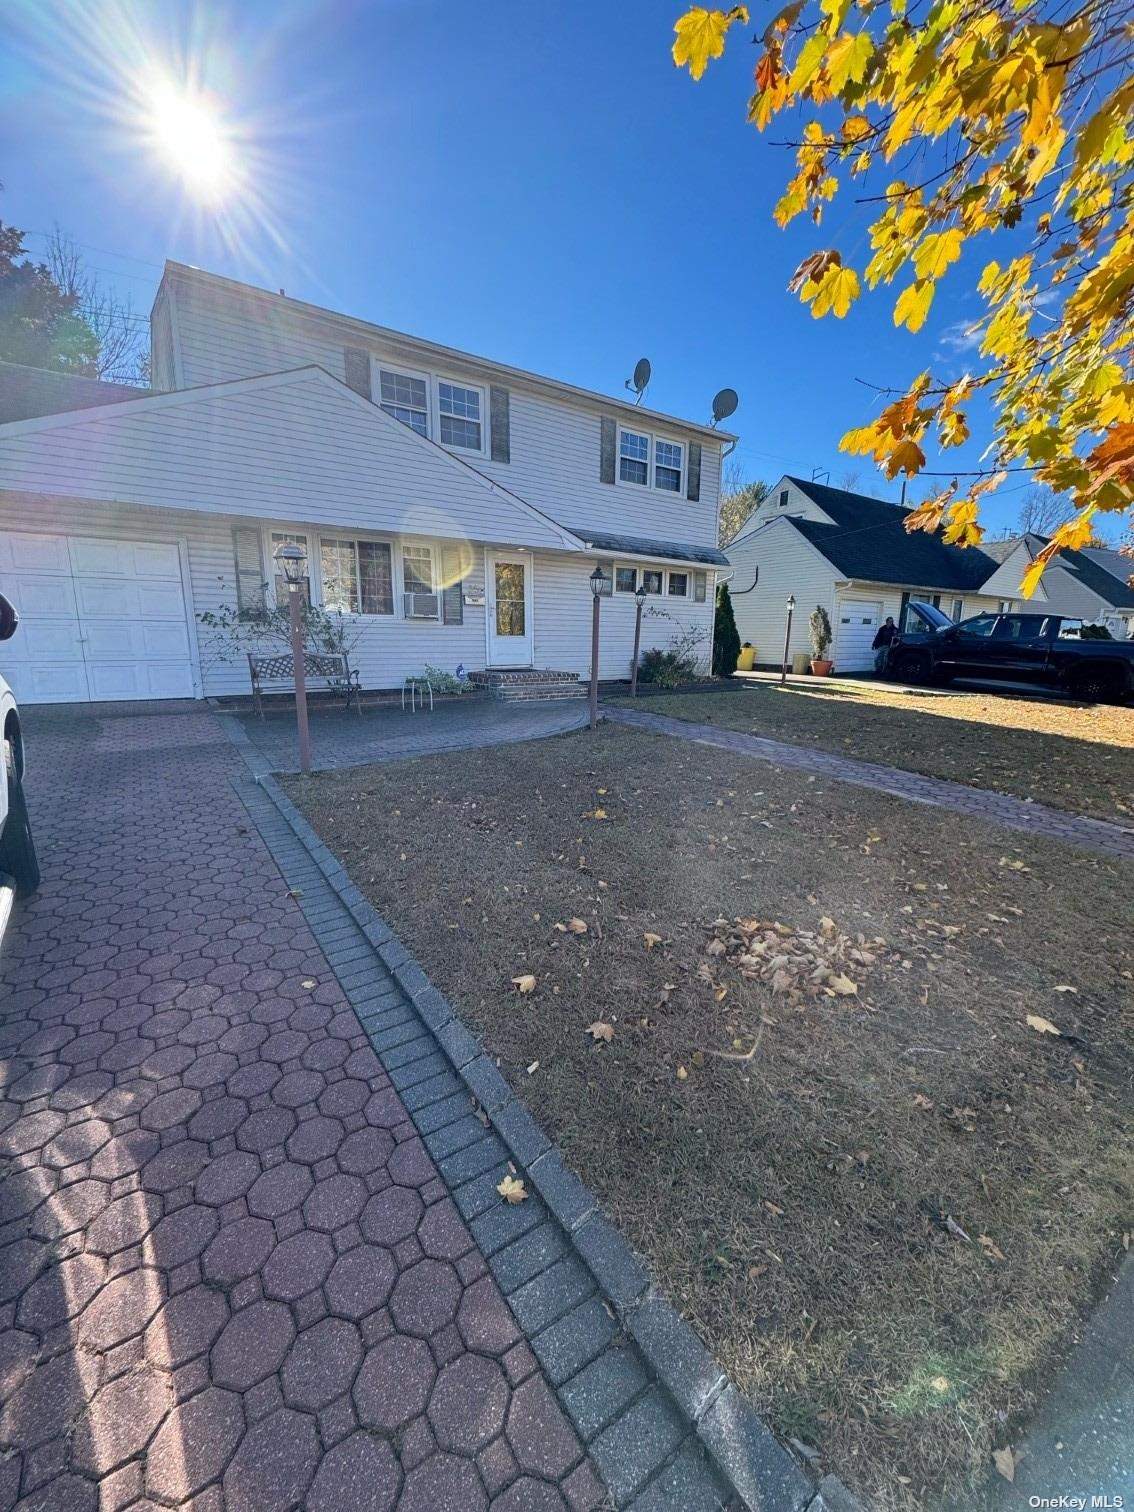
point(188, 132)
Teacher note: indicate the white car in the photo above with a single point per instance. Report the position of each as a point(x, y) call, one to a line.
point(17, 849)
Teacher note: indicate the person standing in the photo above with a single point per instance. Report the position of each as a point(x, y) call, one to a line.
point(885, 637)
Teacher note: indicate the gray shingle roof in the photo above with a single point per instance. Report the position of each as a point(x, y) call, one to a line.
point(1103, 572)
point(677, 551)
point(27, 392)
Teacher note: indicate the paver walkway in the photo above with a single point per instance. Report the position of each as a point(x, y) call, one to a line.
point(230, 1274)
point(385, 733)
point(981, 803)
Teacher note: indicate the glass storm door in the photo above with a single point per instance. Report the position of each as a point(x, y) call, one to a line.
point(509, 609)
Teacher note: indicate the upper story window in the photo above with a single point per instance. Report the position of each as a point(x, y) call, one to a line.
point(668, 457)
point(783, 498)
point(459, 410)
point(406, 397)
point(633, 457)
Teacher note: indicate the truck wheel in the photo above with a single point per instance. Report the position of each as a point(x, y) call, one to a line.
point(17, 848)
point(912, 667)
point(1096, 685)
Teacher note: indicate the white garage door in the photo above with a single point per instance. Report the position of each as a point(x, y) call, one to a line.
point(858, 621)
point(99, 619)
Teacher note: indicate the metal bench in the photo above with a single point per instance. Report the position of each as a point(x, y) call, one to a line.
point(330, 668)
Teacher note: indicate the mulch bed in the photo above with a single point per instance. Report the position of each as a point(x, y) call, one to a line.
point(1073, 756)
point(882, 1197)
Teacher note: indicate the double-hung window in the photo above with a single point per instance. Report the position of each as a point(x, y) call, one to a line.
point(700, 584)
point(652, 579)
point(357, 576)
point(633, 457)
point(459, 411)
point(667, 465)
point(417, 568)
point(679, 585)
point(625, 579)
point(406, 397)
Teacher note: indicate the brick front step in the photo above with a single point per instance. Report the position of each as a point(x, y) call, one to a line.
point(526, 684)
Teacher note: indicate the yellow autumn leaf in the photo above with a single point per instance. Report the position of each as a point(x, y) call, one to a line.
point(808, 63)
point(512, 1189)
point(842, 985)
point(848, 59)
point(577, 926)
point(936, 251)
point(525, 984)
point(906, 457)
point(700, 36)
point(836, 292)
point(650, 940)
point(913, 304)
point(1043, 1026)
point(600, 1031)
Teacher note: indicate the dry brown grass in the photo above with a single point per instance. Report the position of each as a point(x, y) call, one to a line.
point(1073, 756)
point(795, 1205)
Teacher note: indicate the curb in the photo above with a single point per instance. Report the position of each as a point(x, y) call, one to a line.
point(760, 1472)
point(7, 903)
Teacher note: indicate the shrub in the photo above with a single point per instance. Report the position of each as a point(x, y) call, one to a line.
point(668, 669)
point(445, 682)
point(726, 637)
point(820, 629)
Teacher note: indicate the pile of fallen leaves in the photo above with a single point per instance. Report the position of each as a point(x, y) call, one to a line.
point(802, 963)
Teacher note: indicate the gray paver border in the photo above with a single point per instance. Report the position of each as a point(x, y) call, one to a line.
point(752, 1462)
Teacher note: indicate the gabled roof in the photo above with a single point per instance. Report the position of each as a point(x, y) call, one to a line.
point(1105, 572)
point(677, 551)
point(29, 391)
point(428, 352)
point(869, 541)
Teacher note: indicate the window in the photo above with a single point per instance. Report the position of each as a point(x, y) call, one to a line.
point(783, 498)
point(1005, 606)
point(625, 579)
point(679, 585)
point(289, 538)
point(667, 465)
point(983, 624)
point(357, 576)
point(406, 398)
point(634, 458)
point(651, 580)
point(417, 569)
point(1071, 629)
point(700, 585)
point(958, 609)
point(459, 409)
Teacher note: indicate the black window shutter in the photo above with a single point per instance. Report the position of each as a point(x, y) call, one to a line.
point(500, 407)
point(357, 364)
point(693, 491)
point(249, 567)
point(607, 445)
point(452, 595)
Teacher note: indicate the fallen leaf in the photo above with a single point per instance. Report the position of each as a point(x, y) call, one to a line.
point(682, 1074)
point(776, 1212)
point(577, 926)
point(600, 1031)
point(599, 813)
point(650, 940)
point(534, 1067)
point(1043, 1026)
point(697, 1058)
point(512, 1189)
point(1063, 987)
point(921, 1101)
point(1005, 1462)
point(990, 1247)
point(309, 982)
point(842, 985)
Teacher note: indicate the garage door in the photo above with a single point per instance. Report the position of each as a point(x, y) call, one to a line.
point(99, 619)
point(858, 621)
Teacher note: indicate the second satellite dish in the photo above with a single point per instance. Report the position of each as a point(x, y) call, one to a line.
point(641, 378)
point(724, 404)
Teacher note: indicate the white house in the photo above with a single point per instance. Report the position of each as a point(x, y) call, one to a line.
point(853, 555)
point(452, 508)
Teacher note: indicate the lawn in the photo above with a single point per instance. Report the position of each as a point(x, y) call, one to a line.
point(881, 1196)
point(1073, 756)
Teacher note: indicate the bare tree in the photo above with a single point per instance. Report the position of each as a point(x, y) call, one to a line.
point(850, 481)
point(1041, 510)
point(123, 348)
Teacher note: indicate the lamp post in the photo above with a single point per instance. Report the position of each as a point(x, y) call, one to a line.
point(292, 559)
point(639, 599)
point(787, 638)
point(597, 581)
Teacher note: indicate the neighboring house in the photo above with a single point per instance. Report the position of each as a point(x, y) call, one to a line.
point(453, 508)
point(853, 555)
point(26, 392)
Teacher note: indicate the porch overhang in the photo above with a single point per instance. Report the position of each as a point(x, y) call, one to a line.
point(646, 549)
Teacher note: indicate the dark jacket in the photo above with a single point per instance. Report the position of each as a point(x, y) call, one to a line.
point(886, 634)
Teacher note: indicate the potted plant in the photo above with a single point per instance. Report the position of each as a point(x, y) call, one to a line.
point(820, 627)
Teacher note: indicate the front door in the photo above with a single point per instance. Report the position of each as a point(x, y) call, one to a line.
point(509, 609)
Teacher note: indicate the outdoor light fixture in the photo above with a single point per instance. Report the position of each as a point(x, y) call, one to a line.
point(598, 581)
point(639, 600)
point(293, 560)
point(787, 638)
point(640, 595)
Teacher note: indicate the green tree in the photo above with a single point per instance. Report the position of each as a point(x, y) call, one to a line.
point(726, 637)
point(738, 500)
point(41, 324)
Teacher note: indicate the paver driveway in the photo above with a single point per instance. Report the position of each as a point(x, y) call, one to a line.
point(230, 1275)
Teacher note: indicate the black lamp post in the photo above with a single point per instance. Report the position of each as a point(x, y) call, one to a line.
point(639, 600)
point(292, 559)
point(598, 583)
point(787, 638)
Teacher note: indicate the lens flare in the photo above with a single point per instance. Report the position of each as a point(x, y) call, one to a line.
point(187, 131)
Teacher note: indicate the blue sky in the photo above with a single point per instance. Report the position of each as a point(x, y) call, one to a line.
point(535, 182)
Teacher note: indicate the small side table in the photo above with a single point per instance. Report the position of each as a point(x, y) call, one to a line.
point(415, 687)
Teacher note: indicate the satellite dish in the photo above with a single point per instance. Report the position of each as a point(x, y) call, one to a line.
point(641, 378)
point(724, 404)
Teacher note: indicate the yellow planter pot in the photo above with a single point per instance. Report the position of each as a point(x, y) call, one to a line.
point(747, 659)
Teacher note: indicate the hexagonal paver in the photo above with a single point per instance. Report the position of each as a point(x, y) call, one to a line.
point(321, 1364)
point(541, 1438)
point(528, 1495)
point(315, 1139)
point(361, 1281)
point(443, 1484)
point(227, 1177)
point(360, 1473)
point(468, 1403)
point(252, 1345)
point(425, 1298)
point(274, 1465)
point(183, 1235)
point(394, 1383)
point(441, 1232)
point(194, 1444)
point(365, 1150)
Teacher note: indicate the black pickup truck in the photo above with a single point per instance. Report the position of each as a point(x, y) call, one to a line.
point(1051, 650)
